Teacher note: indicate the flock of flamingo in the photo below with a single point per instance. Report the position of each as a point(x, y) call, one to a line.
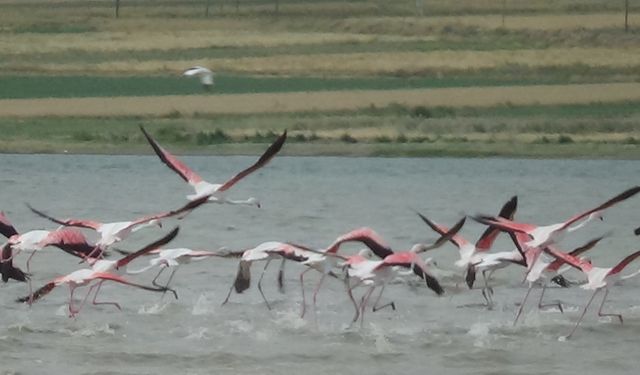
point(535, 250)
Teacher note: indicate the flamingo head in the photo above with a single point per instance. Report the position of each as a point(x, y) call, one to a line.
point(254, 202)
point(596, 215)
point(155, 222)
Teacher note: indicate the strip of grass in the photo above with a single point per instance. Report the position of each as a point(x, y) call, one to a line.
point(585, 131)
point(69, 86)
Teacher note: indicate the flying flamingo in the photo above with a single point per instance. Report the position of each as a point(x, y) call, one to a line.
point(485, 241)
point(471, 254)
point(544, 270)
point(541, 236)
point(379, 272)
point(116, 266)
point(266, 251)
point(215, 192)
point(325, 261)
point(173, 258)
point(111, 233)
point(84, 277)
point(598, 278)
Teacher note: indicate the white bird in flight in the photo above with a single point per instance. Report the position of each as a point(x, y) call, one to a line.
point(204, 75)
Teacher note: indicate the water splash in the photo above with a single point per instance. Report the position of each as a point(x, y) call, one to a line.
point(204, 306)
point(481, 332)
point(154, 309)
point(382, 344)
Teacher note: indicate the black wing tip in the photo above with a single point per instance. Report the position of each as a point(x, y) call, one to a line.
point(637, 231)
point(470, 277)
point(561, 280)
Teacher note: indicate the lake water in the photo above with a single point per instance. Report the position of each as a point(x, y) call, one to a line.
point(311, 201)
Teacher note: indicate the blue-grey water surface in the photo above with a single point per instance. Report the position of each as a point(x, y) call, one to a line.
point(311, 201)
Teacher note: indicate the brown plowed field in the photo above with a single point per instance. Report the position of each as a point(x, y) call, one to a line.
point(319, 101)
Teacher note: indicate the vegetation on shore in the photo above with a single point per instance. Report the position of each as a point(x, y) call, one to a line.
point(610, 130)
point(73, 48)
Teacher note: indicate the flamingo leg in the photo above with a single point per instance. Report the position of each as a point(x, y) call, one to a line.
point(350, 294)
point(155, 279)
point(582, 315)
point(281, 276)
point(95, 296)
point(363, 304)
point(524, 301)
point(304, 301)
point(86, 297)
point(316, 290)
point(29, 279)
point(487, 291)
point(375, 304)
point(72, 311)
point(228, 296)
point(600, 313)
point(543, 305)
point(166, 287)
point(260, 284)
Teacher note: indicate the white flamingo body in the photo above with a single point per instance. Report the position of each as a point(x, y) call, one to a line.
point(598, 278)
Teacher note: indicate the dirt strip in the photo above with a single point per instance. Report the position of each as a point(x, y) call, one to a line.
point(319, 100)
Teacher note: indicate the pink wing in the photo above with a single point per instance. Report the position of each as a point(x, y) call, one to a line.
point(412, 260)
point(172, 162)
point(620, 266)
point(68, 222)
point(6, 228)
point(121, 280)
point(192, 205)
point(264, 159)
point(570, 259)
point(368, 237)
point(504, 224)
point(617, 199)
point(442, 230)
point(145, 250)
point(486, 240)
point(555, 265)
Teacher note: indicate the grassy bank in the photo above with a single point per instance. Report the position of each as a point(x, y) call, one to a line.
point(610, 130)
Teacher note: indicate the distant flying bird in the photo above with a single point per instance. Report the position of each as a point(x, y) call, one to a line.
point(204, 75)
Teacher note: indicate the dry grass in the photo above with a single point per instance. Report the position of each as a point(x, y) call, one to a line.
point(319, 101)
point(383, 63)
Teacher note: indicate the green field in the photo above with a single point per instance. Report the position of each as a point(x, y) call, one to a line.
point(74, 49)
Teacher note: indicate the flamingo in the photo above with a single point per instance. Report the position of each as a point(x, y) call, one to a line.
point(598, 278)
point(379, 272)
point(204, 74)
point(471, 254)
point(116, 266)
point(173, 258)
point(541, 236)
point(111, 233)
point(485, 241)
point(215, 192)
point(543, 270)
point(100, 271)
point(81, 278)
point(376, 244)
point(265, 251)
